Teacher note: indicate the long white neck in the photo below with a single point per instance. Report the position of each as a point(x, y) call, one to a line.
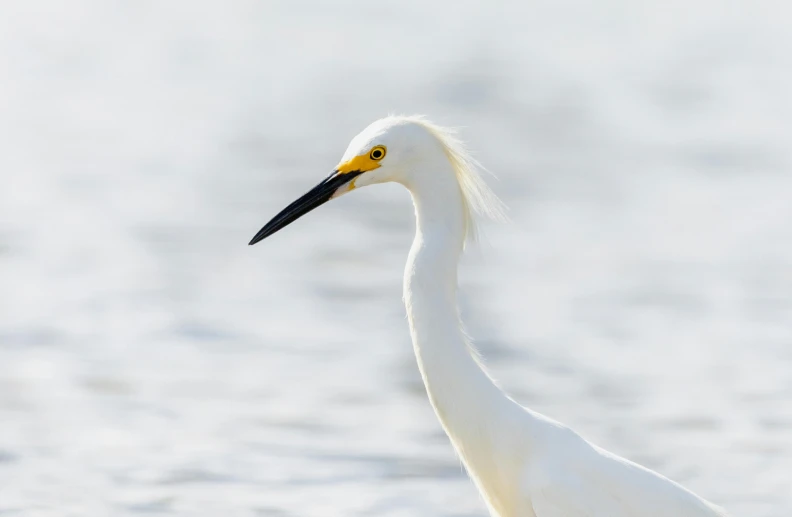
point(469, 405)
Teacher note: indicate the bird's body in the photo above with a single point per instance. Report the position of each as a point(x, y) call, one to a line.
point(523, 463)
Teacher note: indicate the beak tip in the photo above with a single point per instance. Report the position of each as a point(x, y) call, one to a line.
point(315, 197)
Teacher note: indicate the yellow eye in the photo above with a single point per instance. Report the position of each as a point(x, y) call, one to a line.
point(378, 153)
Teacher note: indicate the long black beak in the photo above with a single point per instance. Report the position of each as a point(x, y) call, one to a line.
point(314, 198)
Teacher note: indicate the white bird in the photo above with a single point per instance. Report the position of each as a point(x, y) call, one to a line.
point(523, 463)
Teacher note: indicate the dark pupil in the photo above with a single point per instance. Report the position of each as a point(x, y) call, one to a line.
point(377, 153)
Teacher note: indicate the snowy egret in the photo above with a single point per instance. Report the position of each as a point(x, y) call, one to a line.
point(523, 463)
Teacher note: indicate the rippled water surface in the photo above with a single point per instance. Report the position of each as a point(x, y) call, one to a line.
point(152, 363)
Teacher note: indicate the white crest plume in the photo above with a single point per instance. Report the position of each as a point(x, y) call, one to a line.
point(479, 199)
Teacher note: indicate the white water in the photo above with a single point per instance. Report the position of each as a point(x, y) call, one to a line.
point(151, 362)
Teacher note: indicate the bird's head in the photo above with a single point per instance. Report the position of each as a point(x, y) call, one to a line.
point(391, 149)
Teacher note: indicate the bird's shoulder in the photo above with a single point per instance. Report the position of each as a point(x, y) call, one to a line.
point(587, 481)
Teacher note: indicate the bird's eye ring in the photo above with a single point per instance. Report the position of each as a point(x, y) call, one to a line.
point(378, 153)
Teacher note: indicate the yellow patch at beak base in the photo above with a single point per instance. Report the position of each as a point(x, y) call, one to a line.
point(362, 163)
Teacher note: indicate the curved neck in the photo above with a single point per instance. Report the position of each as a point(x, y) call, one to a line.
point(473, 411)
point(462, 394)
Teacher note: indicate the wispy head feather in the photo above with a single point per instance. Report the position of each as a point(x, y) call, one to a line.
point(479, 200)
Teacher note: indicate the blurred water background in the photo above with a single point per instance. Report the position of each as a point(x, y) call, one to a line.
point(152, 363)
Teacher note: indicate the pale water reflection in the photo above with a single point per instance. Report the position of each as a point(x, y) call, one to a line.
point(152, 363)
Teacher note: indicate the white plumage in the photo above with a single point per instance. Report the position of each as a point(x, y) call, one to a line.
point(523, 463)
